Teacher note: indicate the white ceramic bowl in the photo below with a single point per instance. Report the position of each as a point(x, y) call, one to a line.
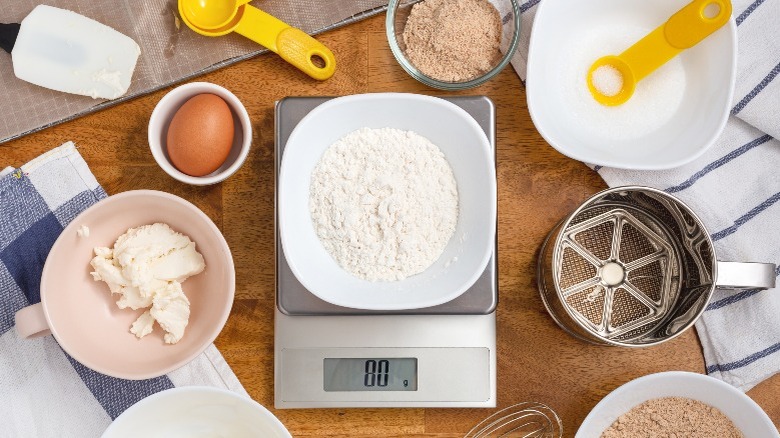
point(468, 152)
point(167, 107)
point(709, 71)
point(747, 416)
point(196, 411)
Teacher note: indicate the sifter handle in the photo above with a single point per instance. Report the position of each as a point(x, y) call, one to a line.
point(736, 275)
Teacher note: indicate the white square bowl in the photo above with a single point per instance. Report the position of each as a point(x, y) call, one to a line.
point(468, 152)
point(709, 68)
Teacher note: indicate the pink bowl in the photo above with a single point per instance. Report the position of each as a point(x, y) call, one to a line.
point(82, 314)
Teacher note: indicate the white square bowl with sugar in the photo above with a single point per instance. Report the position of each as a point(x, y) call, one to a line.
point(676, 112)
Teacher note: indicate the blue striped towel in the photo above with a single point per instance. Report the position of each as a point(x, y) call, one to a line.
point(735, 189)
point(43, 391)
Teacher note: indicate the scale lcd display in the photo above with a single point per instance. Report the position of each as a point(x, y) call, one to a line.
point(370, 374)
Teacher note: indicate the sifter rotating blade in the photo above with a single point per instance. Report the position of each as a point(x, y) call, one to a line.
point(618, 272)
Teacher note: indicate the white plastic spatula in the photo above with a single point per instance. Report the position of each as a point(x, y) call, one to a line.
point(64, 51)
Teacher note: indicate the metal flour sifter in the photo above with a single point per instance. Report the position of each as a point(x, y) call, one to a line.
point(634, 267)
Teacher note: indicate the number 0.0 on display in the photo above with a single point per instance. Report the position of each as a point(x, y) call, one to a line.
point(370, 374)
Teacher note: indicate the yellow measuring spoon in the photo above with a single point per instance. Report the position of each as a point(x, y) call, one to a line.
point(221, 17)
point(612, 79)
point(211, 14)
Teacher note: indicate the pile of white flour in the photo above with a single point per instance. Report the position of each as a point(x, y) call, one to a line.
point(384, 203)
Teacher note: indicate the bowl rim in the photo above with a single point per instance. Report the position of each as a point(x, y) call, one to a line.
point(492, 211)
point(667, 375)
point(395, 48)
point(230, 268)
point(532, 95)
point(189, 390)
point(192, 89)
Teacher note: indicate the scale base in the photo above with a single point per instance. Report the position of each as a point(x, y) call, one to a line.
point(456, 359)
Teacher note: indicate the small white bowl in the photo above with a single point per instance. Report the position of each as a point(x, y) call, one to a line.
point(164, 112)
point(191, 411)
point(468, 152)
point(746, 415)
point(560, 35)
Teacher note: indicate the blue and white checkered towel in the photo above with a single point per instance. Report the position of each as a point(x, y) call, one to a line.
point(735, 189)
point(43, 391)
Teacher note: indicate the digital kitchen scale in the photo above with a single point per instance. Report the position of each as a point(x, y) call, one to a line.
point(327, 356)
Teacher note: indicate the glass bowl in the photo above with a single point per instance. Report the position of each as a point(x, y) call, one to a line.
point(397, 14)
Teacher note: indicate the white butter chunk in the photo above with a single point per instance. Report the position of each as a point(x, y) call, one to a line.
point(155, 252)
point(146, 266)
point(143, 325)
point(171, 309)
point(64, 51)
point(132, 298)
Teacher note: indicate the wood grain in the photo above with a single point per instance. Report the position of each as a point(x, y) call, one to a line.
point(537, 187)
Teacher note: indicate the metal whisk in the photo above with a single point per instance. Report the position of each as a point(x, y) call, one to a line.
point(523, 420)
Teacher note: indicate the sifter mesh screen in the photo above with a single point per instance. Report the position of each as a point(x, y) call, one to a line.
point(577, 270)
point(626, 308)
point(634, 244)
point(597, 239)
point(649, 279)
point(589, 303)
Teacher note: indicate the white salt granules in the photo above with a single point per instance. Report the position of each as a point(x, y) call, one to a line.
point(384, 203)
point(607, 80)
point(656, 98)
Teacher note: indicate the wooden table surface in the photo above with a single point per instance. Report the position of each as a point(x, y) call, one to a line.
point(536, 187)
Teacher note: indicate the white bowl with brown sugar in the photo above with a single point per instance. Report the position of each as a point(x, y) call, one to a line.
point(678, 401)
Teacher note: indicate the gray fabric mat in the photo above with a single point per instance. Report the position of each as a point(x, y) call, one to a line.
point(170, 52)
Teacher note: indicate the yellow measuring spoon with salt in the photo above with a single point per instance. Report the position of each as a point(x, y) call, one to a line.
point(221, 17)
point(612, 79)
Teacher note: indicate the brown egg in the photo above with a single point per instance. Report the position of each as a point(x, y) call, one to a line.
point(200, 135)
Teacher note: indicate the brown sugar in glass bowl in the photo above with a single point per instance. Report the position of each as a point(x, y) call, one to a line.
point(453, 44)
point(453, 40)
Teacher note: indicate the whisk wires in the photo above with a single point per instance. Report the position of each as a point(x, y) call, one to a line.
point(523, 420)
